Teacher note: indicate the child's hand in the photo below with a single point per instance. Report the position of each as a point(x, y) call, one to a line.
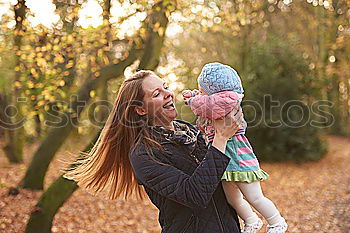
point(187, 94)
point(196, 92)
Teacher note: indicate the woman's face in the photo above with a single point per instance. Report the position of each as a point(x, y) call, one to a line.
point(158, 101)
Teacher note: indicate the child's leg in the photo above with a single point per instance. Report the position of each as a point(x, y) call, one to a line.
point(235, 199)
point(253, 193)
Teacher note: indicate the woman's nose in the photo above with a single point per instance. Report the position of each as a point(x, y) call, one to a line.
point(168, 93)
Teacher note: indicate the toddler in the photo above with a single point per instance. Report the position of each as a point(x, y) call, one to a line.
point(220, 90)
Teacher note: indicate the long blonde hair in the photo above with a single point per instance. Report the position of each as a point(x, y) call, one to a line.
point(106, 167)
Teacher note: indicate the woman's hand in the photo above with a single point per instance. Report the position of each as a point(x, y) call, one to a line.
point(225, 128)
point(229, 125)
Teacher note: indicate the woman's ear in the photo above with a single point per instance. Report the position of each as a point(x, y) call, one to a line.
point(140, 110)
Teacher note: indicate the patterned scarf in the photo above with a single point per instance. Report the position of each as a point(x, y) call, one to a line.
point(181, 134)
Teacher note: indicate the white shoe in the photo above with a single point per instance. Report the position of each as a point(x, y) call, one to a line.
point(253, 228)
point(280, 227)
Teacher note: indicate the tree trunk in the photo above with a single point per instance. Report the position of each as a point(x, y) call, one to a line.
point(37, 125)
point(51, 200)
point(102, 112)
point(156, 25)
point(35, 174)
point(322, 52)
point(12, 148)
point(14, 137)
point(334, 96)
point(245, 46)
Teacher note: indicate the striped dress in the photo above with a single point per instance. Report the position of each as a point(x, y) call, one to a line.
point(243, 166)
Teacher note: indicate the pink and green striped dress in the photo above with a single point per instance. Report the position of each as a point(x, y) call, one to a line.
point(243, 166)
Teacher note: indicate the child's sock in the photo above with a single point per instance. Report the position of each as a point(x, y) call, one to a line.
point(277, 218)
point(251, 219)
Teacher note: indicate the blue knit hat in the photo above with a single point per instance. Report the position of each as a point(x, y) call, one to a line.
point(216, 77)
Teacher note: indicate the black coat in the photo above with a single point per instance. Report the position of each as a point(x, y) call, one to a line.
point(188, 191)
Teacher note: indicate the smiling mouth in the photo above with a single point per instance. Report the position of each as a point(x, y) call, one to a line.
point(169, 105)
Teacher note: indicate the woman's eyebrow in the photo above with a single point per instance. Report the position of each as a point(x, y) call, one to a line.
point(164, 83)
point(155, 90)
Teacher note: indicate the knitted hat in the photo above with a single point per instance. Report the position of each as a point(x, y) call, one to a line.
point(216, 77)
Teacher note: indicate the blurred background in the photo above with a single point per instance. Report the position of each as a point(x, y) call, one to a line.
point(63, 61)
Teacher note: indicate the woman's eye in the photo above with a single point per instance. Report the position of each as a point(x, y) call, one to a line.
point(166, 87)
point(157, 94)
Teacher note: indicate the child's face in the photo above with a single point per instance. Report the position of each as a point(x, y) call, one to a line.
point(202, 91)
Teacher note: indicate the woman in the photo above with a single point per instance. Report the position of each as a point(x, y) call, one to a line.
point(143, 147)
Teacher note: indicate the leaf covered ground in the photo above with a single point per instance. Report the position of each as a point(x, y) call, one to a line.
point(313, 197)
